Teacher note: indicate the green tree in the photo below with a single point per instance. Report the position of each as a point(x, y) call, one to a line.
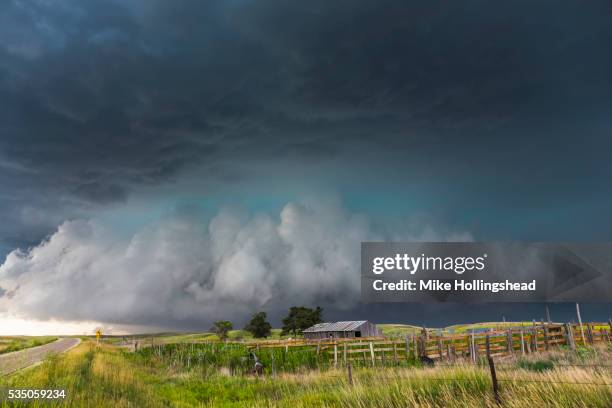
point(259, 326)
point(221, 328)
point(300, 318)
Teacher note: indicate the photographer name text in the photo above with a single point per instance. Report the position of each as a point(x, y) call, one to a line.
point(457, 285)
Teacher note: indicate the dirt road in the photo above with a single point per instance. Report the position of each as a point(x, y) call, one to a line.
point(24, 358)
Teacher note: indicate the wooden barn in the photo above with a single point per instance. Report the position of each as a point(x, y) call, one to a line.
point(343, 330)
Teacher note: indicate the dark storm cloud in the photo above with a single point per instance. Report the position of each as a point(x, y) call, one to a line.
point(98, 97)
point(185, 269)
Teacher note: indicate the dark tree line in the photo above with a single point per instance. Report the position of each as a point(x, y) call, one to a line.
point(259, 326)
point(299, 319)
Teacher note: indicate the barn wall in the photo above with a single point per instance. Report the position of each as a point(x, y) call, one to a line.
point(369, 330)
point(315, 335)
point(326, 335)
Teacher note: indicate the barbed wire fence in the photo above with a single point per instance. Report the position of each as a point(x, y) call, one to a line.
point(493, 366)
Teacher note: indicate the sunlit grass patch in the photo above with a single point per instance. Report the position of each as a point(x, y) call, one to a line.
point(16, 343)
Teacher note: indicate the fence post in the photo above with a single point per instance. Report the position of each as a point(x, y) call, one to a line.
point(546, 345)
point(470, 346)
point(590, 333)
point(509, 344)
point(394, 353)
point(522, 343)
point(580, 321)
point(273, 366)
point(335, 355)
point(473, 350)
point(534, 337)
point(528, 344)
point(350, 373)
point(372, 354)
point(345, 352)
point(493, 373)
point(422, 346)
point(416, 347)
point(448, 352)
point(610, 326)
point(407, 349)
point(568, 335)
point(440, 353)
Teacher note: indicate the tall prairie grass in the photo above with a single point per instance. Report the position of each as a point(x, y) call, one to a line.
point(237, 358)
point(108, 377)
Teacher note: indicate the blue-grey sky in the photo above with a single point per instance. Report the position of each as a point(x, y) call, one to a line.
point(483, 120)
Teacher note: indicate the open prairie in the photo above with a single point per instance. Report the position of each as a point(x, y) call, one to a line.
point(198, 370)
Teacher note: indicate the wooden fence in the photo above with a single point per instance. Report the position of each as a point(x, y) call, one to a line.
point(470, 346)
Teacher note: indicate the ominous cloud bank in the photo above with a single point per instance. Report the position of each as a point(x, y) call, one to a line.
point(99, 97)
point(184, 271)
point(490, 116)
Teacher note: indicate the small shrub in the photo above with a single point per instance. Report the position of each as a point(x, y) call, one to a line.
point(537, 366)
point(585, 353)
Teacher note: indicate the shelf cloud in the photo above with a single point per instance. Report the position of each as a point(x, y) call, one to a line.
point(185, 271)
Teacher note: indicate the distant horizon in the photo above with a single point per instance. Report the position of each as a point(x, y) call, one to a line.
point(30, 327)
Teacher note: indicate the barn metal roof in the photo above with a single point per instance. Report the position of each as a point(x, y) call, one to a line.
point(335, 327)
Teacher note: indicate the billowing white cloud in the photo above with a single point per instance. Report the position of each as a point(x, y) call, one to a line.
point(185, 270)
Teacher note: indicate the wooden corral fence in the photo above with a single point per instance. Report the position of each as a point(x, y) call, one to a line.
point(306, 342)
point(469, 346)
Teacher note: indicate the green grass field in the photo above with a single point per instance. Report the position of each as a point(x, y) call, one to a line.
point(401, 330)
point(388, 330)
point(398, 330)
point(106, 376)
point(167, 338)
point(15, 343)
point(186, 375)
point(465, 328)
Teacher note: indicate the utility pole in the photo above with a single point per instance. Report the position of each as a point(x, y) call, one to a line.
point(548, 315)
